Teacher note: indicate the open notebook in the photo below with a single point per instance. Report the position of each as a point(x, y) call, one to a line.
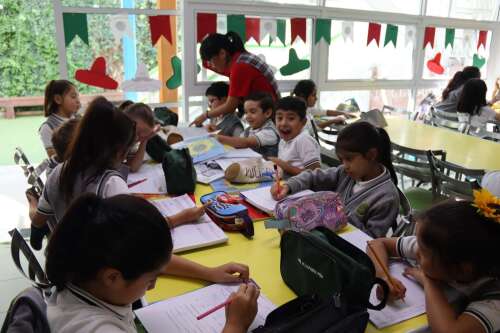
point(397, 311)
point(262, 199)
point(192, 235)
point(178, 314)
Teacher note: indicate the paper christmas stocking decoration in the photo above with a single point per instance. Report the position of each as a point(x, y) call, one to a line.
point(478, 61)
point(295, 64)
point(175, 80)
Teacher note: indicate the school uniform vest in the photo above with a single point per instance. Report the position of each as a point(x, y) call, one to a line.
point(228, 124)
point(265, 151)
point(261, 66)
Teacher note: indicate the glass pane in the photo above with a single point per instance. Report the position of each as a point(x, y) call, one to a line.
point(355, 60)
point(274, 53)
point(455, 58)
point(142, 4)
point(400, 99)
point(292, 2)
point(391, 6)
point(466, 9)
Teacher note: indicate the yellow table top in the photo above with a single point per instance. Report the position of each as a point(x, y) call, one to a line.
point(262, 255)
point(462, 149)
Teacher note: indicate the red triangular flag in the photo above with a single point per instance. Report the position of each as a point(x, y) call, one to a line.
point(206, 24)
point(298, 28)
point(160, 26)
point(429, 34)
point(481, 40)
point(373, 33)
point(252, 29)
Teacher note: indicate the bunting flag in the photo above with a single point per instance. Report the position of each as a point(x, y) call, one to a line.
point(347, 30)
point(323, 30)
point(281, 30)
point(268, 27)
point(252, 26)
point(160, 26)
point(373, 33)
point(75, 24)
point(298, 29)
point(206, 24)
point(468, 39)
point(429, 34)
point(221, 24)
point(481, 40)
point(410, 35)
point(391, 35)
point(236, 23)
point(120, 27)
point(449, 37)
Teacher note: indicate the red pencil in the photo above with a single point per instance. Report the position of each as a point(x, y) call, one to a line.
point(212, 310)
point(137, 182)
point(277, 178)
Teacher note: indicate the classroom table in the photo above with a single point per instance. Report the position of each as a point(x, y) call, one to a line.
point(262, 255)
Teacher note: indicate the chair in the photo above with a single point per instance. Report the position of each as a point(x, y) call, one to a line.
point(32, 174)
point(489, 132)
point(446, 120)
point(405, 223)
point(451, 180)
point(327, 138)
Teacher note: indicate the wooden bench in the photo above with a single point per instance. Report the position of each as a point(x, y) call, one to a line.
point(10, 103)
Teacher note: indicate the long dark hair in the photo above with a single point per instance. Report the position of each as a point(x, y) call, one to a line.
point(473, 97)
point(53, 88)
point(304, 88)
point(213, 43)
point(362, 136)
point(102, 133)
point(460, 77)
point(456, 233)
point(124, 232)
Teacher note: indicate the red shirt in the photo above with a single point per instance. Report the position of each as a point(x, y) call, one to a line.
point(245, 79)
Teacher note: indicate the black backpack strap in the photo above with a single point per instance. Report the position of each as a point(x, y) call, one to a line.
point(385, 288)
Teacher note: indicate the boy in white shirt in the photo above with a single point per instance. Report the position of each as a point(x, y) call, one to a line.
point(297, 150)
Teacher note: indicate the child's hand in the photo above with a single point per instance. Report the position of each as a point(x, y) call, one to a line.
point(32, 198)
point(283, 191)
point(226, 273)
point(211, 127)
point(394, 293)
point(187, 215)
point(242, 310)
point(415, 273)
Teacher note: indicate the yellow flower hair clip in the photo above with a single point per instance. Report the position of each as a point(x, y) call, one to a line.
point(487, 204)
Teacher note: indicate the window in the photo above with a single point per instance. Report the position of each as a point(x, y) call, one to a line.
point(292, 2)
point(355, 60)
point(391, 6)
point(400, 99)
point(465, 9)
point(142, 4)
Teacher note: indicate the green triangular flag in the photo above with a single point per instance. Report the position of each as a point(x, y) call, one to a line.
point(281, 30)
point(237, 24)
point(450, 37)
point(323, 30)
point(75, 24)
point(391, 34)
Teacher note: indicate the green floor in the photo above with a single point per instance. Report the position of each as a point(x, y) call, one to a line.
point(20, 132)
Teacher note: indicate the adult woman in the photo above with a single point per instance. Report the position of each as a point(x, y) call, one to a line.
point(226, 55)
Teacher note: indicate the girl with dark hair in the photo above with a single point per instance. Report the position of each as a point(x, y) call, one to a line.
point(472, 107)
point(60, 104)
point(106, 253)
point(226, 55)
point(451, 93)
point(455, 259)
point(366, 180)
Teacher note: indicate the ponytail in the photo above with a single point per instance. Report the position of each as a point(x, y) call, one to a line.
point(384, 153)
point(124, 232)
point(53, 88)
point(213, 43)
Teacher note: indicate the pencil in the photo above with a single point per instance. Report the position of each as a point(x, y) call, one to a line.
point(277, 178)
point(137, 182)
point(384, 269)
point(212, 310)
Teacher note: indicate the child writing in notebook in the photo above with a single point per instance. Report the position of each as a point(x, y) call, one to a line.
point(60, 104)
point(297, 150)
point(456, 255)
point(102, 141)
point(228, 124)
point(261, 135)
point(366, 180)
point(306, 90)
point(106, 253)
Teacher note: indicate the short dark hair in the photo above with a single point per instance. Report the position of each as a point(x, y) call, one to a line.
point(265, 100)
point(141, 111)
point(62, 137)
point(304, 88)
point(457, 234)
point(53, 88)
point(292, 104)
point(124, 232)
point(218, 89)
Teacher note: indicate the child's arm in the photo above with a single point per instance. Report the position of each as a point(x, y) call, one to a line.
point(315, 180)
point(290, 169)
point(135, 162)
point(238, 142)
point(229, 106)
point(333, 113)
point(186, 216)
point(440, 314)
point(227, 273)
point(326, 123)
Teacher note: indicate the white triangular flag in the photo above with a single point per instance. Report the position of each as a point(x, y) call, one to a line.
point(268, 27)
point(120, 27)
point(410, 34)
point(469, 42)
point(221, 24)
point(347, 30)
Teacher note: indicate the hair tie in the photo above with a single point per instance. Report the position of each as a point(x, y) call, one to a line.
point(487, 204)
